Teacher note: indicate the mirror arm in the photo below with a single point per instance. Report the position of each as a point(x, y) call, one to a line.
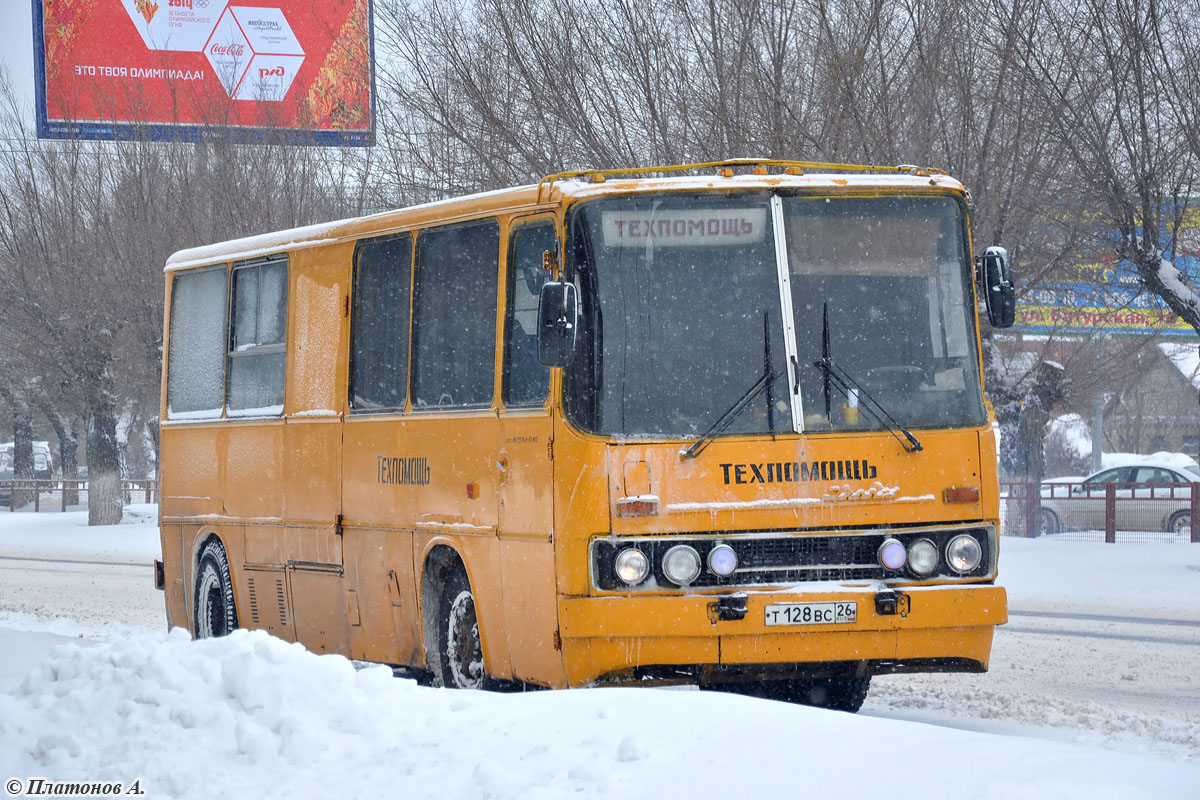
point(550, 264)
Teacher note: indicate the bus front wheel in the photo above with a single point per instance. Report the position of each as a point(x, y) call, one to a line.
point(461, 651)
point(215, 612)
point(839, 694)
point(845, 693)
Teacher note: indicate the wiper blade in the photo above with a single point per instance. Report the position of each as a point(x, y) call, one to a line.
point(726, 419)
point(838, 378)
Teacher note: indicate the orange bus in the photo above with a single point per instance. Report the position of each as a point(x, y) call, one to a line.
point(712, 423)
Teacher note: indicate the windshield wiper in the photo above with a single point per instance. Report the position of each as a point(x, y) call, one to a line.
point(725, 420)
point(838, 378)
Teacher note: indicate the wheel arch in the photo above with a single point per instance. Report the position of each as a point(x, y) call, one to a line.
point(439, 559)
point(1049, 514)
point(200, 541)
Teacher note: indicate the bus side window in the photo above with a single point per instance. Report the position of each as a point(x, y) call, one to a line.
point(379, 325)
point(454, 316)
point(196, 361)
point(257, 331)
point(526, 381)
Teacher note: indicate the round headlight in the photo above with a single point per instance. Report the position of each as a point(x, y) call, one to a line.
point(681, 564)
point(963, 553)
point(922, 557)
point(722, 560)
point(892, 554)
point(632, 565)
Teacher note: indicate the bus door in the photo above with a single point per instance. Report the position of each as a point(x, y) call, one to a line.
point(312, 542)
point(524, 462)
point(383, 480)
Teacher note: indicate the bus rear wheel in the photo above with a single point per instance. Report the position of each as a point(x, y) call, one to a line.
point(214, 609)
point(461, 650)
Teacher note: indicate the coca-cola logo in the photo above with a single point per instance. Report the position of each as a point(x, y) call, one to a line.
point(266, 73)
point(234, 50)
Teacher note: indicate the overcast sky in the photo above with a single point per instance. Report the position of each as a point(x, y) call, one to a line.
point(16, 46)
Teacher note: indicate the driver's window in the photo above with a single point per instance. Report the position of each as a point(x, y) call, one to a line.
point(1111, 476)
point(525, 380)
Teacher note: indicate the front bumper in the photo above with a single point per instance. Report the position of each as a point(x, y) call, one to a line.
point(623, 637)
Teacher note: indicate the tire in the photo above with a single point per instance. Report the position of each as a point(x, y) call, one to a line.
point(214, 609)
point(460, 650)
point(837, 694)
point(1048, 522)
point(1180, 523)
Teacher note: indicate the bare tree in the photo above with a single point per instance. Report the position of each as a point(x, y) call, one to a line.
point(1105, 77)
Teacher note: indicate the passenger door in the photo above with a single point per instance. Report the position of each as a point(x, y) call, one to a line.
point(524, 465)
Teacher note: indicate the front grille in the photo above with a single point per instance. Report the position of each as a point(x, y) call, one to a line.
point(776, 558)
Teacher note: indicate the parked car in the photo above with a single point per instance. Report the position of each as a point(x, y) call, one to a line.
point(6, 476)
point(43, 459)
point(1162, 488)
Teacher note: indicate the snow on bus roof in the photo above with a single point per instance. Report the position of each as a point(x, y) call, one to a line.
point(580, 187)
point(577, 188)
point(321, 233)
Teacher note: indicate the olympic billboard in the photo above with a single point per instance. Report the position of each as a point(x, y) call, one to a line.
point(181, 70)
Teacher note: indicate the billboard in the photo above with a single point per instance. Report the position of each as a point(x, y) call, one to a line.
point(1108, 295)
point(178, 70)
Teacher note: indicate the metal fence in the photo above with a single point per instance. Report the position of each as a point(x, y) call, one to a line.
point(1102, 512)
point(65, 495)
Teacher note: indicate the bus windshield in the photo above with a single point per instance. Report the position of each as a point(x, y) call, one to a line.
point(682, 312)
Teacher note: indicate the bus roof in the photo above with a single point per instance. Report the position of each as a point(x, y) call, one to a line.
point(552, 190)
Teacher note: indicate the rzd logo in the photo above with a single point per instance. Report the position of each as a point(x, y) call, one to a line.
point(266, 73)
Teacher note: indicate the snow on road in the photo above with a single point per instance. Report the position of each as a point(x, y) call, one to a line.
point(1093, 692)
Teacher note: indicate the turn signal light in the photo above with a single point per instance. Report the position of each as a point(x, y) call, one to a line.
point(961, 494)
point(642, 506)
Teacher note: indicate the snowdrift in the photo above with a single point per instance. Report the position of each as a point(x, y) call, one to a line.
point(252, 715)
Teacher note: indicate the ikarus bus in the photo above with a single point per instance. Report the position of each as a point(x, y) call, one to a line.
point(711, 423)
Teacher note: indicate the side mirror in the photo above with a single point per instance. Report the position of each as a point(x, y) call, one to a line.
point(558, 320)
point(999, 293)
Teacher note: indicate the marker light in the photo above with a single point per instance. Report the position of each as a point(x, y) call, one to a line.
point(632, 565)
point(922, 557)
point(892, 554)
point(963, 553)
point(722, 561)
point(681, 564)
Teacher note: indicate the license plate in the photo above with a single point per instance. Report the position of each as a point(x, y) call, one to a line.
point(838, 613)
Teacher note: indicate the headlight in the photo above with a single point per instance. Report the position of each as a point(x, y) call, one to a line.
point(963, 553)
point(681, 564)
point(722, 561)
point(892, 554)
point(922, 557)
point(632, 565)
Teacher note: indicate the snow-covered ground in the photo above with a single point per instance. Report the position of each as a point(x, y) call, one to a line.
point(1094, 692)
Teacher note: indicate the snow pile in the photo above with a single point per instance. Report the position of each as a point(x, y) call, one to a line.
point(251, 715)
point(1029, 714)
